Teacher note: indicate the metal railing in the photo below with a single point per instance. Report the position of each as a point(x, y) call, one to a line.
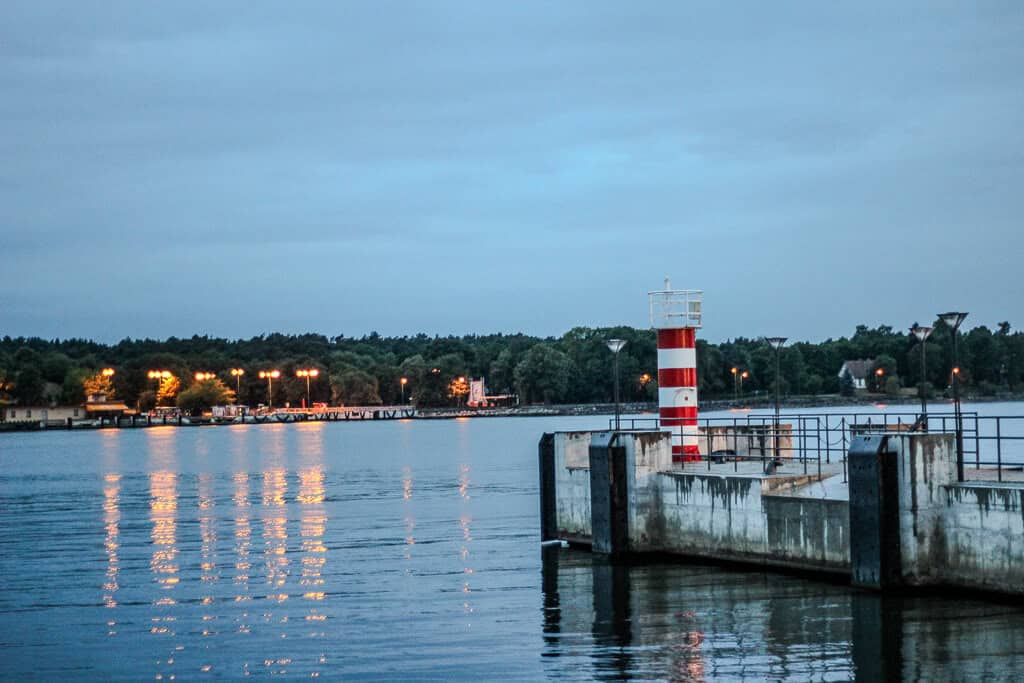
point(993, 446)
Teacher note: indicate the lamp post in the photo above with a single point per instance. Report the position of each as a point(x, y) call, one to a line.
point(159, 376)
point(615, 345)
point(777, 343)
point(922, 334)
point(954, 319)
point(307, 373)
point(879, 374)
point(107, 372)
point(401, 383)
point(735, 384)
point(203, 376)
point(237, 374)
point(743, 375)
point(270, 376)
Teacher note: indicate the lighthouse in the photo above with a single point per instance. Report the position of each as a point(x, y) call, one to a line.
point(676, 316)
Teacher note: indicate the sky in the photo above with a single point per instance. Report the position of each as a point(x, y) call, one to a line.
point(238, 168)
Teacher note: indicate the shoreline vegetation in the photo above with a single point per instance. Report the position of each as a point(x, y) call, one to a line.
point(434, 375)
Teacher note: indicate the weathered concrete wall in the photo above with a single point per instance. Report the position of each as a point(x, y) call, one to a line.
point(572, 486)
point(964, 534)
point(984, 539)
point(647, 453)
point(926, 466)
point(742, 518)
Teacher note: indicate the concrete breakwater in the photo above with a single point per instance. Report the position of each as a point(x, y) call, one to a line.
point(902, 519)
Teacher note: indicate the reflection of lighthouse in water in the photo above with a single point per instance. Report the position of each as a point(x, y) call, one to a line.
point(676, 315)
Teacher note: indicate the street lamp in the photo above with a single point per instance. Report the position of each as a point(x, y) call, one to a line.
point(203, 376)
point(776, 343)
point(401, 383)
point(307, 373)
point(615, 345)
point(107, 372)
point(743, 375)
point(879, 373)
point(237, 374)
point(159, 376)
point(270, 376)
point(922, 334)
point(954, 320)
point(735, 383)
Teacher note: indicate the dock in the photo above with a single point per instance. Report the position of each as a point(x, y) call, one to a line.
point(891, 513)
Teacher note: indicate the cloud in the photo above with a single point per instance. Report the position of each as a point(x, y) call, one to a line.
point(447, 157)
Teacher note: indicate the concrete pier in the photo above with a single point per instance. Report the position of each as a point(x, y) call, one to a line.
point(902, 520)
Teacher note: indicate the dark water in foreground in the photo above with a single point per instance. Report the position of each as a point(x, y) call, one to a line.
point(405, 551)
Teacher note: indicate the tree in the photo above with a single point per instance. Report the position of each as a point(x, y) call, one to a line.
point(543, 374)
point(355, 388)
point(203, 395)
point(98, 383)
point(29, 386)
point(458, 388)
point(168, 391)
point(846, 385)
point(147, 400)
point(73, 390)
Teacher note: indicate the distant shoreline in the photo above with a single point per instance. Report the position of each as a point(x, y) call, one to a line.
point(759, 403)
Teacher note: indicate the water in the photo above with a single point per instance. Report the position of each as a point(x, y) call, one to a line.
point(399, 550)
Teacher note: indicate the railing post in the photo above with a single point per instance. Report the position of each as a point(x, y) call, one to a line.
point(735, 447)
point(977, 444)
point(803, 442)
point(707, 433)
point(999, 448)
point(817, 436)
point(828, 446)
point(842, 426)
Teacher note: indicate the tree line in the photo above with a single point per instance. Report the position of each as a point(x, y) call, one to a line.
point(573, 368)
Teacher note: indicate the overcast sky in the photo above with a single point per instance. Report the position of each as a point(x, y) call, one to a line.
point(238, 168)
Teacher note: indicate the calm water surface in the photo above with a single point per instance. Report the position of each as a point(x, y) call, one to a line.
point(400, 550)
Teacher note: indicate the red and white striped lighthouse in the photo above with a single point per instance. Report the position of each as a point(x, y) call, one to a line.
point(676, 315)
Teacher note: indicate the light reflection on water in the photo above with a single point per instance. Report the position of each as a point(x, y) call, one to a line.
point(398, 550)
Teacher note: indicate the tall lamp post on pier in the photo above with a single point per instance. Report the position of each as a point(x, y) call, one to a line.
point(922, 333)
point(615, 345)
point(777, 343)
point(270, 376)
point(954, 319)
point(237, 374)
point(401, 383)
point(307, 373)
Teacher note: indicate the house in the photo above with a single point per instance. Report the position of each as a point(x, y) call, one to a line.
point(859, 371)
point(47, 415)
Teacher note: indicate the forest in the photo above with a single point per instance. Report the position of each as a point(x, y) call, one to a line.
point(573, 368)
